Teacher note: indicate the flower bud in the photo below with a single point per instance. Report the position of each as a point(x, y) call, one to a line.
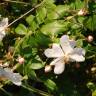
point(93, 69)
point(48, 68)
point(21, 60)
point(90, 38)
point(82, 12)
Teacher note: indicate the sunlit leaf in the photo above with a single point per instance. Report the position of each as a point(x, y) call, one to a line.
point(31, 21)
point(36, 64)
point(59, 12)
point(50, 84)
point(21, 29)
point(54, 27)
point(79, 42)
point(41, 14)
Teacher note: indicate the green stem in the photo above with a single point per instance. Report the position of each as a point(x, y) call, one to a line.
point(36, 91)
point(7, 93)
point(92, 51)
point(90, 57)
point(17, 2)
point(86, 4)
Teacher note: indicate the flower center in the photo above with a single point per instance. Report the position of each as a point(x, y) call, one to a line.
point(66, 58)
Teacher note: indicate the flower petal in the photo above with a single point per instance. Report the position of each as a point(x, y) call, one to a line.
point(56, 60)
point(3, 24)
point(56, 51)
point(1, 71)
point(16, 79)
point(79, 51)
point(59, 67)
point(65, 44)
point(2, 34)
point(76, 57)
point(72, 43)
point(13, 77)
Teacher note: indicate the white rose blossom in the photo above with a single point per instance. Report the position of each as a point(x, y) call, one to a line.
point(63, 53)
point(3, 25)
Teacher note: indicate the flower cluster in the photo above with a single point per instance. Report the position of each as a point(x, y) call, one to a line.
point(63, 53)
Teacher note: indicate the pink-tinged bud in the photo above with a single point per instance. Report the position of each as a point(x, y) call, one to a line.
point(90, 38)
point(82, 12)
point(21, 60)
point(48, 68)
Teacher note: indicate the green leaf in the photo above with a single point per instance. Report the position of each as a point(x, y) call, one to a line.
point(31, 74)
point(49, 1)
point(77, 4)
point(29, 41)
point(41, 14)
point(42, 39)
point(59, 12)
point(36, 64)
point(49, 4)
point(90, 22)
point(94, 93)
point(34, 2)
point(21, 29)
point(54, 27)
point(50, 84)
point(81, 19)
point(32, 41)
point(31, 21)
point(79, 42)
point(26, 51)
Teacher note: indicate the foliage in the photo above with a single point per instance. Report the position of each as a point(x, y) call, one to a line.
point(30, 35)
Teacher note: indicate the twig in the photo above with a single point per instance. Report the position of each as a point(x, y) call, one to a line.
point(25, 14)
point(2, 3)
point(36, 90)
point(91, 57)
point(17, 2)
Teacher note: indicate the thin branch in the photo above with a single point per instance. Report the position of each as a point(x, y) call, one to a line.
point(25, 14)
point(17, 2)
point(2, 3)
point(36, 90)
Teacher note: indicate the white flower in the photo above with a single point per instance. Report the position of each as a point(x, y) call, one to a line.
point(3, 25)
point(13, 77)
point(64, 53)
